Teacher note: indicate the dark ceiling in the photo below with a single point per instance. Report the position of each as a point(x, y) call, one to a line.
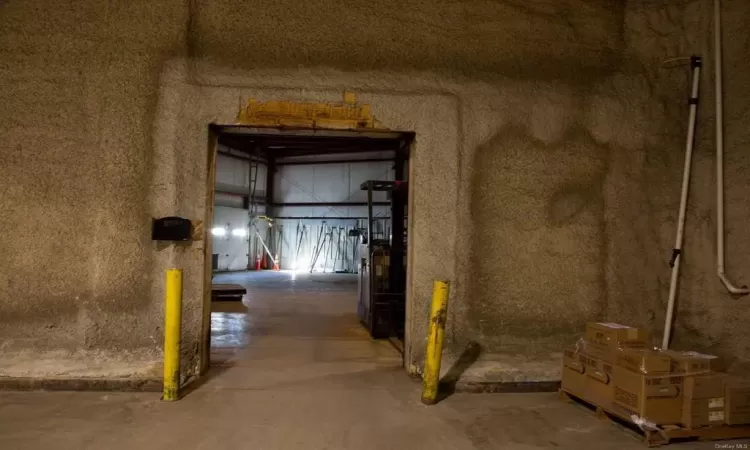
point(276, 143)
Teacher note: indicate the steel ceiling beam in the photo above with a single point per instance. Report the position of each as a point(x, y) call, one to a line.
point(314, 204)
point(243, 158)
point(259, 200)
point(333, 161)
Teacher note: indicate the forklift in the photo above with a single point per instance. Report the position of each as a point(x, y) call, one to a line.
point(382, 265)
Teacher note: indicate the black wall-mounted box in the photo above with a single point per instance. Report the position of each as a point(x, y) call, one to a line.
point(171, 229)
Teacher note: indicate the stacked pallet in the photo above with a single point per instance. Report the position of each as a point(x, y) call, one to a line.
point(665, 393)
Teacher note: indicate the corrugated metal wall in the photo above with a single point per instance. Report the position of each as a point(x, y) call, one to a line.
point(329, 183)
point(233, 181)
point(326, 183)
point(328, 239)
point(232, 250)
point(319, 183)
point(233, 177)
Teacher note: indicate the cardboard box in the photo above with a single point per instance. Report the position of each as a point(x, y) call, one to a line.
point(605, 332)
point(644, 360)
point(703, 400)
point(694, 362)
point(599, 388)
point(656, 398)
point(588, 378)
point(604, 340)
point(737, 398)
point(573, 374)
point(610, 353)
point(703, 386)
point(701, 412)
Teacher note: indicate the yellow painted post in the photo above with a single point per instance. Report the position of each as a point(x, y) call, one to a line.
point(172, 325)
point(434, 352)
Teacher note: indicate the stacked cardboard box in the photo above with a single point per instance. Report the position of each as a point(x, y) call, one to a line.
point(737, 401)
point(587, 377)
point(614, 368)
point(703, 400)
point(587, 368)
point(655, 398)
point(644, 360)
point(604, 340)
point(694, 362)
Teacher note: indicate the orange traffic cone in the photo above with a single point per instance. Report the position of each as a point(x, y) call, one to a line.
point(257, 262)
point(276, 262)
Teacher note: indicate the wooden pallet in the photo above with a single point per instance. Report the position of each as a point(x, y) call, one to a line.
point(227, 292)
point(669, 433)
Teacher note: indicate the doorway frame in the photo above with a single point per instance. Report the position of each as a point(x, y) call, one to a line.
point(208, 221)
point(214, 131)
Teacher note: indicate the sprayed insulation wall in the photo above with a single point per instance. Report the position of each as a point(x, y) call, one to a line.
point(545, 170)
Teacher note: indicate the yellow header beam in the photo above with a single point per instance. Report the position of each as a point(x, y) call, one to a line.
point(333, 116)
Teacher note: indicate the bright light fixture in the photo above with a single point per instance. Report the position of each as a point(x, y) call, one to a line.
point(218, 231)
point(239, 232)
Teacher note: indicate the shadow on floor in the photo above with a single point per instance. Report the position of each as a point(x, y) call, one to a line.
point(214, 371)
point(447, 386)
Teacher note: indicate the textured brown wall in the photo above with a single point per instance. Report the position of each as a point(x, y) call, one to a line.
point(547, 162)
point(574, 218)
point(641, 225)
point(78, 85)
point(470, 37)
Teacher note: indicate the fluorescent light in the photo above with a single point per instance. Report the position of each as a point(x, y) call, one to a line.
point(239, 232)
point(218, 231)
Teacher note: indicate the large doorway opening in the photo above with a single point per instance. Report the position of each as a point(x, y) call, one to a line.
point(309, 238)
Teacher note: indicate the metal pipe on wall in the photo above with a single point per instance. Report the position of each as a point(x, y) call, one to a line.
point(677, 251)
point(720, 157)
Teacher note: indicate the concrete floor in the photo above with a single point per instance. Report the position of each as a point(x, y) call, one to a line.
point(293, 369)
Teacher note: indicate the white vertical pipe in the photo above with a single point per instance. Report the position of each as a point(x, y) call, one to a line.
point(676, 255)
point(720, 157)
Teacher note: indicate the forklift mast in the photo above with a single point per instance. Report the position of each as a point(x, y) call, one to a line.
point(382, 280)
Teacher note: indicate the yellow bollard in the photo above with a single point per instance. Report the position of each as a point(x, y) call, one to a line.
point(172, 325)
point(434, 353)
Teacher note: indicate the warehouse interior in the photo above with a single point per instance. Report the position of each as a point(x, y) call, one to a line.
point(575, 240)
point(303, 202)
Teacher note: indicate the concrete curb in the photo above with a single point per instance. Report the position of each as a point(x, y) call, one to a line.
point(80, 384)
point(506, 387)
